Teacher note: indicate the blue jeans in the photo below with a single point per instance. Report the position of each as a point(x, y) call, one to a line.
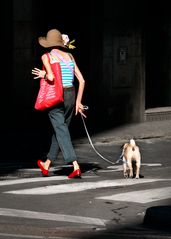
point(60, 117)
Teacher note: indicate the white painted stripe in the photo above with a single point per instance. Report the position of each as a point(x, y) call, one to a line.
point(51, 216)
point(4, 235)
point(116, 167)
point(141, 196)
point(23, 236)
point(120, 167)
point(77, 187)
point(38, 179)
point(109, 170)
point(152, 164)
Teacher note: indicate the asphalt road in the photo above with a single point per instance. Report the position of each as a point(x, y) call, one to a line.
point(102, 204)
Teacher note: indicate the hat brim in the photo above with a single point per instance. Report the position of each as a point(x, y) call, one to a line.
point(43, 42)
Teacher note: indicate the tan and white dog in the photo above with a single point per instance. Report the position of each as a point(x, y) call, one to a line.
point(131, 155)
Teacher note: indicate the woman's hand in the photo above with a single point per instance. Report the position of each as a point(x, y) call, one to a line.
point(50, 76)
point(42, 74)
point(38, 73)
point(80, 109)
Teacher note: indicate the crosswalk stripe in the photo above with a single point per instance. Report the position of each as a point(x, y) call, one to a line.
point(8, 235)
point(37, 179)
point(52, 216)
point(77, 187)
point(120, 167)
point(141, 196)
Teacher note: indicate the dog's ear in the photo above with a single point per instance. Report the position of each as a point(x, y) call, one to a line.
point(122, 146)
point(125, 145)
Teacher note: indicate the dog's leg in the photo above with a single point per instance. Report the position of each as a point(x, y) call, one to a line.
point(130, 168)
point(137, 169)
point(124, 168)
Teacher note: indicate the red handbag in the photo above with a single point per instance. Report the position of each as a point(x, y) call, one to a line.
point(50, 92)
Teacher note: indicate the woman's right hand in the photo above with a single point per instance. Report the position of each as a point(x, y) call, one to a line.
point(79, 109)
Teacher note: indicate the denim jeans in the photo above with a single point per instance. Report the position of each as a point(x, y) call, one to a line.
point(60, 117)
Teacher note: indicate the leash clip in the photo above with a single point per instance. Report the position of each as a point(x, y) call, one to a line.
point(85, 107)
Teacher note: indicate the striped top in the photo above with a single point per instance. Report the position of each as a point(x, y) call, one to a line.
point(67, 71)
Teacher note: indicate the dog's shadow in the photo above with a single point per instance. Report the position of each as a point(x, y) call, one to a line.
point(85, 168)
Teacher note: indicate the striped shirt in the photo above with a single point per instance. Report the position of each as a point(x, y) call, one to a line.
point(67, 71)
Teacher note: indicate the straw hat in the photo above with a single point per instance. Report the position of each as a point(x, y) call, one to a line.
point(53, 38)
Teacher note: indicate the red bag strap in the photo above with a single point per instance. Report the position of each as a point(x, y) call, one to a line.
point(43, 67)
point(48, 56)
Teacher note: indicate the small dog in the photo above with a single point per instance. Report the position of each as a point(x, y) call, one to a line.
point(131, 159)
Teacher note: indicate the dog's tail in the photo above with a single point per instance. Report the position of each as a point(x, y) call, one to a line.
point(132, 143)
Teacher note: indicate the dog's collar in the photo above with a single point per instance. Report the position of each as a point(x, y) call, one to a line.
point(123, 160)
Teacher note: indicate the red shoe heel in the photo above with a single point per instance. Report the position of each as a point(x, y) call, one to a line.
point(45, 172)
point(75, 174)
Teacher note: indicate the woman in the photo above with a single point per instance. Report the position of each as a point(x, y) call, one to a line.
point(60, 115)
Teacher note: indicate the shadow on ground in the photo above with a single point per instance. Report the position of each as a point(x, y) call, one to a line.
point(85, 167)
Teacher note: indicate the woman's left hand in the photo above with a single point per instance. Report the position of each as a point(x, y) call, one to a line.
point(38, 73)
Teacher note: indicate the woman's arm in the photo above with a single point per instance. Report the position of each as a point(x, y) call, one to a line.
point(47, 73)
point(79, 76)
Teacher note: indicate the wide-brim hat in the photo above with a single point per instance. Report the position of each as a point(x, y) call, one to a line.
point(53, 38)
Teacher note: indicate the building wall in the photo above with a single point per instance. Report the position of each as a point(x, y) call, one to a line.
point(120, 81)
point(19, 59)
point(6, 96)
point(123, 76)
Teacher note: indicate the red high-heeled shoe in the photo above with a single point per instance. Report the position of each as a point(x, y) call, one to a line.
point(45, 172)
point(75, 174)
